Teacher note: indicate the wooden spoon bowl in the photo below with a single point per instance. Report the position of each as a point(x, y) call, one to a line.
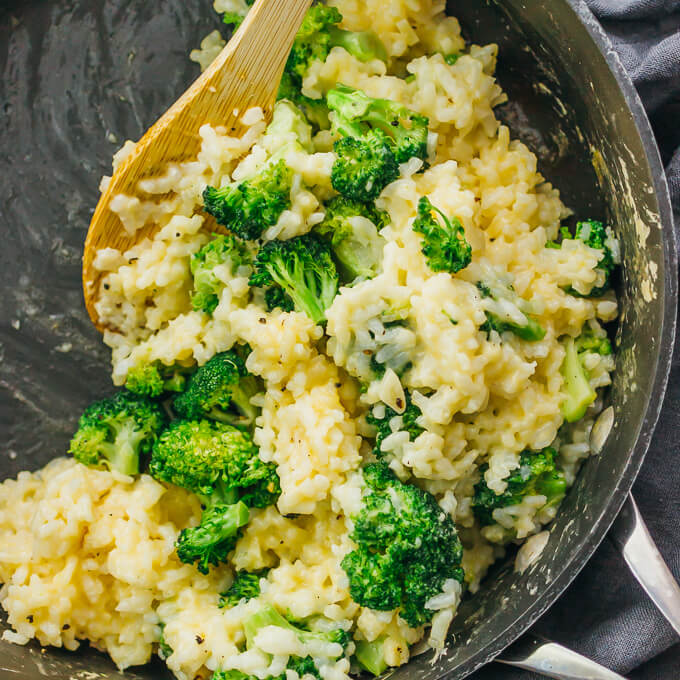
point(245, 74)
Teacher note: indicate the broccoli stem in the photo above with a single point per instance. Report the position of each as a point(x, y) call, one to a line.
point(175, 383)
point(267, 616)
point(240, 397)
point(123, 454)
point(234, 517)
point(553, 487)
point(124, 459)
point(222, 495)
point(164, 649)
point(302, 298)
point(578, 392)
point(355, 260)
point(532, 332)
point(115, 432)
point(364, 45)
point(219, 523)
point(370, 655)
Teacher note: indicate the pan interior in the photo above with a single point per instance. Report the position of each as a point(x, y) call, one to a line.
point(81, 79)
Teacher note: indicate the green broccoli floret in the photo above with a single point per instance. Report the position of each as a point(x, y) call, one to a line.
point(599, 237)
point(245, 587)
point(221, 465)
point(300, 666)
point(531, 331)
point(268, 616)
point(240, 675)
point(356, 244)
point(595, 235)
point(364, 45)
point(537, 474)
point(222, 250)
point(375, 136)
point(304, 666)
point(235, 18)
point(364, 167)
point(589, 341)
point(384, 424)
point(115, 432)
point(315, 110)
point(145, 380)
point(313, 41)
point(407, 547)
point(249, 208)
point(578, 394)
point(318, 34)
point(154, 378)
point(501, 321)
point(444, 245)
point(221, 389)
point(215, 537)
point(303, 268)
point(355, 114)
point(371, 655)
point(233, 674)
point(276, 297)
point(213, 459)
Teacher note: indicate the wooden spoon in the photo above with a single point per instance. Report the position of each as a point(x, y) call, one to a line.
point(245, 74)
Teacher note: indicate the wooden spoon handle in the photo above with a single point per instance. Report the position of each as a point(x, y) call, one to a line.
point(258, 52)
point(245, 74)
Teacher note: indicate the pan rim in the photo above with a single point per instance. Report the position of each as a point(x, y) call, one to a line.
point(655, 397)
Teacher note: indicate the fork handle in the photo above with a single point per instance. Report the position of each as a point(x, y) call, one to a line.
point(552, 660)
point(631, 536)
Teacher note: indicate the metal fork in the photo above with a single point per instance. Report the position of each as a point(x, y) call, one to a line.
point(631, 536)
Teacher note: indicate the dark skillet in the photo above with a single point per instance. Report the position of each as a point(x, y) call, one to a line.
point(75, 72)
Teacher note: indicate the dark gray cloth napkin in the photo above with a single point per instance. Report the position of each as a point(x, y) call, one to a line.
point(605, 614)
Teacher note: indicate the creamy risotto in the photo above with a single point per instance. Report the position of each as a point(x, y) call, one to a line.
point(359, 361)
